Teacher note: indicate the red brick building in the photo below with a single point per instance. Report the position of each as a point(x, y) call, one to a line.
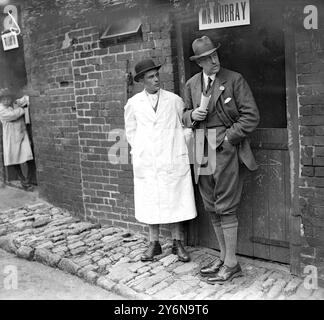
point(78, 76)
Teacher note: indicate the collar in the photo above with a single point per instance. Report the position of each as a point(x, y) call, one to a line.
point(152, 94)
point(213, 76)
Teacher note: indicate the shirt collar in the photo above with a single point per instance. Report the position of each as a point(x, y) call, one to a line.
point(152, 94)
point(213, 76)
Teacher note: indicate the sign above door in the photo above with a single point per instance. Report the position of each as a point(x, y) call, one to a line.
point(224, 13)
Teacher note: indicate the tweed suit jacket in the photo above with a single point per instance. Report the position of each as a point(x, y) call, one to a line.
point(235, 107)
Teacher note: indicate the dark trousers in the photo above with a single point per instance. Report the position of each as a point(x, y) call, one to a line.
point(25, 180)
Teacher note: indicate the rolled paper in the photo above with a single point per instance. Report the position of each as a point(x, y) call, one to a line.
point(27, 118)
point(204, 101)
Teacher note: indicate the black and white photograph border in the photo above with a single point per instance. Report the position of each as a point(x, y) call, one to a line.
point(162, 150)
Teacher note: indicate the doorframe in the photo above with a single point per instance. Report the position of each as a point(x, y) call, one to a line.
point(293, 144)
point(292, 128)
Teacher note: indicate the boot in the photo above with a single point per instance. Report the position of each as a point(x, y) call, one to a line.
point(154, 249)
point(179, 250)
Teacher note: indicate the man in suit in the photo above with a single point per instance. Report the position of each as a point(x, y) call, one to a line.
point(221, 150)
point(163, 190)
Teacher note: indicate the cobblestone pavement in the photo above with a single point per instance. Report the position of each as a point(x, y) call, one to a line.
point(35, 281)
point(110, 258)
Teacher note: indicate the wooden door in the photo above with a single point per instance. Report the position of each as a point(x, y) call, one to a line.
point(257, 52)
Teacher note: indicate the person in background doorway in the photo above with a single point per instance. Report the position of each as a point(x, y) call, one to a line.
point(221, 132)
point(163, 190)
point(16, 144)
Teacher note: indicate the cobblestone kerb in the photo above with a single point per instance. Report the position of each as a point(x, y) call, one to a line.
point(110, 258)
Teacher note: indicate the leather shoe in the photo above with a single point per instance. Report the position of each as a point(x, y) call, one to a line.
point(225, 274)
point(211, 268)
point(179, 250)
point(154, 249)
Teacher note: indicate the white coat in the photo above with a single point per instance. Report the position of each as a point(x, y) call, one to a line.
point(163, 190)
point(16, 144)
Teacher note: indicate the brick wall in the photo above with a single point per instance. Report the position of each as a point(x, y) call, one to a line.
point(310, 79)
point(100, 75)
point(54, 118)
point(77, 109)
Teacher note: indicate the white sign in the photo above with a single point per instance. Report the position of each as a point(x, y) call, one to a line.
point(224, 13)
point(9, 41)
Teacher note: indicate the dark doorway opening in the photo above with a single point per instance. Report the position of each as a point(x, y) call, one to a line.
point(13, 76)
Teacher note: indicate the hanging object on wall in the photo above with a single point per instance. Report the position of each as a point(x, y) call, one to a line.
point(12, 29)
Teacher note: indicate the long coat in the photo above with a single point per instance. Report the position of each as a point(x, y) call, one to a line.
point(16, 144)
point(163, 190)
point(235, 106)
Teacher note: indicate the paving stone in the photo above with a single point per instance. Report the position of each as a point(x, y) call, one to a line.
point(158, 287)
point(25, 252)
point(123, 260)
point(268, 284)
point(104, 262)
point(54, 259)
point(44, 256)
point(45, 244)
point(68, 266)
point(144, 269)
point(78, 250)
point(75, 245)
point(153, 280)
point(292, 286)
point(105, 283)
point(168, 260)
point(59, 249)
point(7, 243)
point(109, 231)
point(118, 272)
point(276, 289)
point(41, 222)
point(186, 268)
point(157, 269)
point(190, 280)
point(90, 267)
point(90, 276)
point(117, 256)
point(188, 296)
point(183, 286)
point(137, 265)
point(258, 295)
point(125, 291)
point(140, 277)
point(167, 293)
point(221, 290)
point(240, 294)
point(203, 294)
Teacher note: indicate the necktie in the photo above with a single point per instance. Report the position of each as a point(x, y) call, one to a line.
point(209, 84)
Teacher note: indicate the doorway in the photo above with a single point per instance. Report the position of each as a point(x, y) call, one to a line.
point(13, 76)
point(257, 51)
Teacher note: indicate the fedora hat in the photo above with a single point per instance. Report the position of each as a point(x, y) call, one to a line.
point(144, 66)
point(203, 47)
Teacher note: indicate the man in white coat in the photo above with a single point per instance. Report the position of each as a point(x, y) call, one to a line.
point(163, 190)
point(16, 143)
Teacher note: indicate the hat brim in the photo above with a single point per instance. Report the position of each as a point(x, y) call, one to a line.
point(205, 54)
point(138, 75)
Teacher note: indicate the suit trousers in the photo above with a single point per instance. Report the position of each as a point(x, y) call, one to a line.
point(222, 189)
